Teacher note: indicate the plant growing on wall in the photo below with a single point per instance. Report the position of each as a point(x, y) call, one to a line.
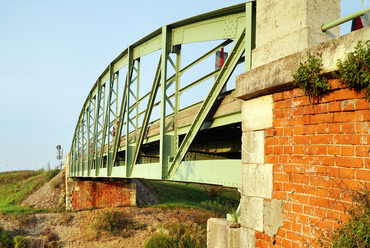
point(355, 71)
point(308, 78)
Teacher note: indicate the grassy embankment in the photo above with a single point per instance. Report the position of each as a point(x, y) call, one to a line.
point(15, 186)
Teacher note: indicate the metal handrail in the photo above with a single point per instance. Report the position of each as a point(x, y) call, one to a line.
point(324, 28)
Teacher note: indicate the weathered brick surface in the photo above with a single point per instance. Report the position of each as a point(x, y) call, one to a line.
point(89, 194)
point(316, 150)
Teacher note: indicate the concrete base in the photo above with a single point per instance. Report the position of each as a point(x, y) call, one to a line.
point(223, 233)
point(89, 194)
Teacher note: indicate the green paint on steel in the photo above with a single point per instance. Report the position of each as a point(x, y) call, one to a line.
point(94, 148)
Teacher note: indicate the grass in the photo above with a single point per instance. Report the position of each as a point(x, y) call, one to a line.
point(18, 185)
point(181, 195)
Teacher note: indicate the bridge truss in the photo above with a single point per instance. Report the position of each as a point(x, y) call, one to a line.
point(129, 128)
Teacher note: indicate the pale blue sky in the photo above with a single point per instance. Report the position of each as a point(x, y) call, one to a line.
point(52, 52)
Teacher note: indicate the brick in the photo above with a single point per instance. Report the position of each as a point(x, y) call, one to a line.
point(299, 159)
point(322, 108)
point(363, 175)
point(279, 131)
point(334, 107)
point(299, 101)
point(362, 104)
point(347, 116)
point(288, 94)
point(362, 151)
point(348, 105)
point(351, 139)
point(362, 127)
point(335, 128)
point(321, 202)
point(322, 128)
point(280, 122)
point(333, 171)
point(320, 181)
point(280, 177)
point(278, 96)
point(310, 129)
point(298, 130)
point(322, 160)
point(298, 188)
point(299, 120)
point(288, 149)
point(316, 149)
point(300, 140)
point(366, 115)
point(298, 168)
point(288, 131)
point(349, 162)
point(272, 159)
point(297, 92)
point(298, 111)
point(288, 112)
point(284, 140)
point(297, 227)
point(278, 150)
point(269, 150)
point(334, 150)
point(279, 113)
point(328, 98)
point(322, 139)
point(348, 128)
point(346, 94)
point(282, 105)
point(298, 178)
point(335, 84)
point(309, 110)
point(271, 141)
point(298, 149)
point(347, 172)
point(347, 150)
point(283, 159)
point(322, 118)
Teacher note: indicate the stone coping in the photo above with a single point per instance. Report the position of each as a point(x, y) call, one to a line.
point(277, 75)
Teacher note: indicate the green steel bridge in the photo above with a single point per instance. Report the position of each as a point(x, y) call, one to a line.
point(159, 111)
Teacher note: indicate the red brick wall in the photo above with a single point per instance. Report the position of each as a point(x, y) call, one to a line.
point(89, 194)
point(317, 150)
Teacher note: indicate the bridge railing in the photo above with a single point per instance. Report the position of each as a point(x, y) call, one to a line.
point(122, 107)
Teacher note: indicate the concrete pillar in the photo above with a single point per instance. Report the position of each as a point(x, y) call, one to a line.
point(284, 27)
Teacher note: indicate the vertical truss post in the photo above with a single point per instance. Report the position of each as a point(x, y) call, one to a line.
point(225, 73)
point(128, 154)
point(98, 108)
point(177, 50)
point(166, 141)
point(90, 127)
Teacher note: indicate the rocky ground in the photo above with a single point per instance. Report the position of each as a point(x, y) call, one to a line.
point(76, 229)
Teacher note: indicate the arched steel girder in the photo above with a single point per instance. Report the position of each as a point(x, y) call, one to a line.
point(111, 120)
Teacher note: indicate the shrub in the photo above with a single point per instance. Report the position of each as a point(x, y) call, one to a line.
point(159, 240)
point(111, 222)
point(309, 80)
point(180, 236)
point(20, 242)
point(355, 71)
point(6, 239)
point(356, 231)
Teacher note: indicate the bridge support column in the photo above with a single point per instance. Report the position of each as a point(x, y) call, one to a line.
point(93, 194)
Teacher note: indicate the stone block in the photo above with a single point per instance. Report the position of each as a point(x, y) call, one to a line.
point(252, 213)
point(257, 180)
point(284, 27)
point(253, 148)
point(247, 238)
point(257, 114)
point(222, 233)
point(273, 213)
